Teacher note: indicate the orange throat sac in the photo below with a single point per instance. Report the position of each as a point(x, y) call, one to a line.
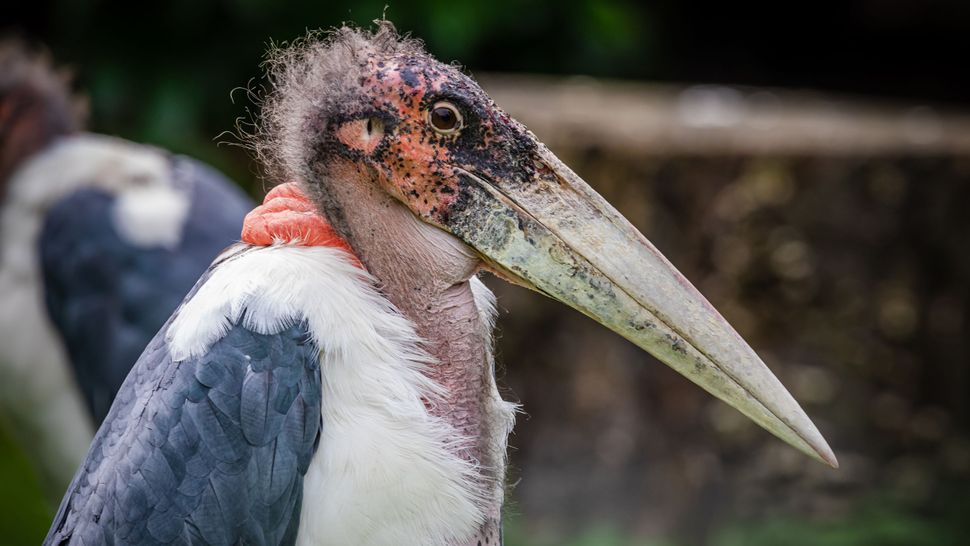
point(287, 216)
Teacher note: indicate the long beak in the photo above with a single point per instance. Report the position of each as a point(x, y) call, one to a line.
point(561, 238)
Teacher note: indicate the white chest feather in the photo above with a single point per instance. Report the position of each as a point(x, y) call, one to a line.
point(386, 472)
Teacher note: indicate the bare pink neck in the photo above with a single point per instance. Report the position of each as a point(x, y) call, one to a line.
point(451, 326)
point(425, 273)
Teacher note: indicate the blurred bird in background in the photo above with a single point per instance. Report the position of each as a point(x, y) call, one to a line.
point(100, 238)
point(331, 380)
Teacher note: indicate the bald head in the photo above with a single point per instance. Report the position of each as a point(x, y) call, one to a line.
point(377, 102)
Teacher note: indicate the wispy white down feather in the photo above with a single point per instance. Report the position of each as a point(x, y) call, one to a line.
point(500, 414)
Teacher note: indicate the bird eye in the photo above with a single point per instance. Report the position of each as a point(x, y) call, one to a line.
point(445, 118)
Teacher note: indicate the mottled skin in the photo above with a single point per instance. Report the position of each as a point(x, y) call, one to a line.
point(420, 166)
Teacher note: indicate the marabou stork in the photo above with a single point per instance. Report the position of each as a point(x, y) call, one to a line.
point(330, 380)
point(100, 239)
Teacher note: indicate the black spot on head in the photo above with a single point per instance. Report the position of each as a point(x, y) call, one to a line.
point(409, 77)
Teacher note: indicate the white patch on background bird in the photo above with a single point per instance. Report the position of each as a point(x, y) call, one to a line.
point(86, 161)
point(387, 471)
point(37, 388)
point(151, 216)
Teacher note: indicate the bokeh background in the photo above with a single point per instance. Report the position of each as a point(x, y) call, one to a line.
point(806, 164)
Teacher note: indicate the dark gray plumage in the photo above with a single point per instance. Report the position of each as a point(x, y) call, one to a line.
point(108, 297)
point(210, 450)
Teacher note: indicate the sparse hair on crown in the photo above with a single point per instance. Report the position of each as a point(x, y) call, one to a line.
point(308, 79)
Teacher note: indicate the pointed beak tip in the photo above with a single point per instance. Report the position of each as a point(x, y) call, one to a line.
point(819, 450)
point(828, 457)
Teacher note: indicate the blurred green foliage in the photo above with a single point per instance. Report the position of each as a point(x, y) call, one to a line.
point(24, 514)
point(879, 523)
point(875, 526)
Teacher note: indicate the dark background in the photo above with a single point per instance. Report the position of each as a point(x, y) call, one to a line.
point(162, 71)
point(848, 273)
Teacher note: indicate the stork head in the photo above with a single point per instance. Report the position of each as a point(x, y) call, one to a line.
point(36, 104)
point(366, 119)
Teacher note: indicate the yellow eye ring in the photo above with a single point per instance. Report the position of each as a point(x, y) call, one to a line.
point(445, 118)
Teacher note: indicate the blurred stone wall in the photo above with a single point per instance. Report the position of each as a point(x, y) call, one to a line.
point(832, 234)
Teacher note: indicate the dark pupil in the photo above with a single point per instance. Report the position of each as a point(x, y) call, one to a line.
point(444, 118)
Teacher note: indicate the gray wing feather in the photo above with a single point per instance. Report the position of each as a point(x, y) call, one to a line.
point(210, 450)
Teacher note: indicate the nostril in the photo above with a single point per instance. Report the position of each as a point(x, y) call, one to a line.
point(541, 169)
